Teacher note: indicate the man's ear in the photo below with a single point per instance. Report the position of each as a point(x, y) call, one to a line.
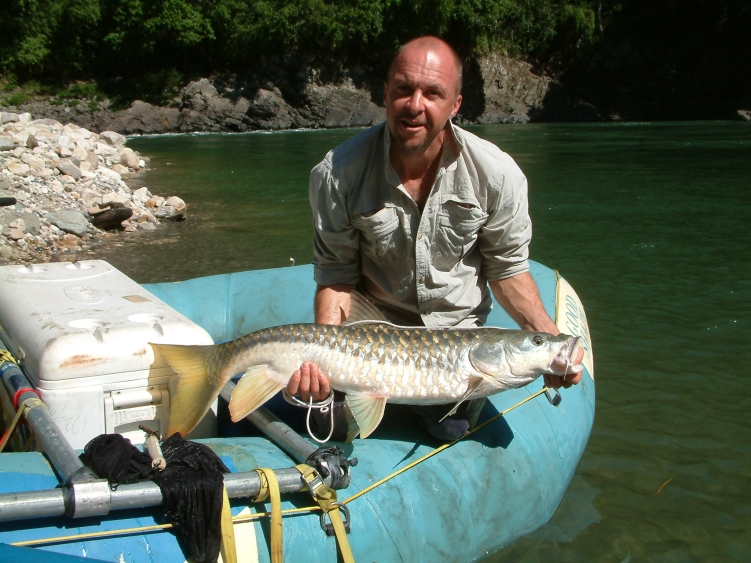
point(457, 105)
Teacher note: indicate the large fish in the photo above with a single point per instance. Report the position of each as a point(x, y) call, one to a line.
point(373, 363)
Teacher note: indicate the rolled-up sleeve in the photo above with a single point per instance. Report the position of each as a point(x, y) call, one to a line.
point(336, 257)
point(505, 237)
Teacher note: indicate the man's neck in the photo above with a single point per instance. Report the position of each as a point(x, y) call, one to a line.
point(417, 170)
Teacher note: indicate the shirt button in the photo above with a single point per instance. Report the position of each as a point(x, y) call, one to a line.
point(419, 236)
point(422, 279)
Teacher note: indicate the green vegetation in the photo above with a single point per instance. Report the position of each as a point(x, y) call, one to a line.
point(148, 49)
point(65, 40)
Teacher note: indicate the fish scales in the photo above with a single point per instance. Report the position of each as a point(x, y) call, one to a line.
point(373, 363)
point(413, 363)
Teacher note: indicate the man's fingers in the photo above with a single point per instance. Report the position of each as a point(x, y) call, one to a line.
point(309, 381)
point(579, 356)
point(294, 383)
point(573, 378)
point(304, 389)
point(324, 386)
point(314, 385)
point(557, 381)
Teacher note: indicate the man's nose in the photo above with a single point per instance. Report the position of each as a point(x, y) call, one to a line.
point(416, 102)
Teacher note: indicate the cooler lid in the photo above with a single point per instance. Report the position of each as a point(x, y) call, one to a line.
point(71, 321)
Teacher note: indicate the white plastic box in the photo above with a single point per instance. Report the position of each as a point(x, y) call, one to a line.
point(82, 331)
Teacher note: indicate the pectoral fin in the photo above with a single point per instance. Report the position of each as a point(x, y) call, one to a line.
point(360, 309)
point(474, 383)
point(367, 410)
point(256, 387)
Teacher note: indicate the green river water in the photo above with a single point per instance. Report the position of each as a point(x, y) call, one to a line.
point(650, 224)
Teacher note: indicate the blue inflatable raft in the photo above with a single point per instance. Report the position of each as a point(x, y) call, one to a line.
point(462, 504)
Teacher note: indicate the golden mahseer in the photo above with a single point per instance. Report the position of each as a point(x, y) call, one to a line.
point(371, 361)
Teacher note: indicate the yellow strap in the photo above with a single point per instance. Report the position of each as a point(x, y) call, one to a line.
point(23, 408)
point(6, 356)
point(326, 499)
point(304, 469)
point(277, 537)
point(228, 551)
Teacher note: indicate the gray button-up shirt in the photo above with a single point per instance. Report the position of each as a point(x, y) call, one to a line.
point(425, 268)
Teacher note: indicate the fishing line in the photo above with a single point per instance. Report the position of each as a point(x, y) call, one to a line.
point(323, 406)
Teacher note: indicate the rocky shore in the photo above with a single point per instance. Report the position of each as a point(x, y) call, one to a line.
point(66, 190)
point(498, 89)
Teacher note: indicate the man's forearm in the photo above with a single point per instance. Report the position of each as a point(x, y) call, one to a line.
point(519, 296)
point(332, 303)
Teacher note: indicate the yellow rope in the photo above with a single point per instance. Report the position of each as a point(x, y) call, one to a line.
point(94, 535)
point(291, 511)
point(23, 408)
point(440, 448)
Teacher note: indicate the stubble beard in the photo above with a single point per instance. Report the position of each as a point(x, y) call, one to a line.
point(415, 146)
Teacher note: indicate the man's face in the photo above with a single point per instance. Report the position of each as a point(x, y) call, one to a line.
point(420, 97)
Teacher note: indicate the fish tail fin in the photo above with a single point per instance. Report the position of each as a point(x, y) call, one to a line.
point(256, 387)
point(194, 393)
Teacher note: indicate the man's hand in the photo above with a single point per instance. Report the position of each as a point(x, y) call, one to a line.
point(331, 307)
point(556, 381)
point(309, 381)
point(519, 296)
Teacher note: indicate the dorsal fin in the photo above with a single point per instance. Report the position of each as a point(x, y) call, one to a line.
point(360, 309)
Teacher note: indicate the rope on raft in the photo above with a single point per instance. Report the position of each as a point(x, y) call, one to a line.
point(292, 511)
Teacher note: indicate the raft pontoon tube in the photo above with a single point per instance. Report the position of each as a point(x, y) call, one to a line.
point(462, 504)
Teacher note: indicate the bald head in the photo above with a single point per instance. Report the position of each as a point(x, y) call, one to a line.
point(433, 45)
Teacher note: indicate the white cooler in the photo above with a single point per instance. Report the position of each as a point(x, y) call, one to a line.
point(81, 332)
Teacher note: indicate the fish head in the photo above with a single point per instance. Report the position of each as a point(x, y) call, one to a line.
point(521, 354)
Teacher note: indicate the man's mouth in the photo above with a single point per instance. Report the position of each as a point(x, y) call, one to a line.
point(412, 125)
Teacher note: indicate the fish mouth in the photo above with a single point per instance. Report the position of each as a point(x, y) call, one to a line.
point(563, 361)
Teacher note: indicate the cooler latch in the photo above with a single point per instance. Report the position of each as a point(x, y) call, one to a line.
point(124, 410)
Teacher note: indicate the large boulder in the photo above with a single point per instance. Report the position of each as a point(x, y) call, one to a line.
point(511, 90)
point(342, 105)
point(142, 118)
point(269, 110)
point(112, 138)
point(7, 117)
point(197, 95)
point(192, 120)
point(69, 221)
point(66, 166)
point(112, 218)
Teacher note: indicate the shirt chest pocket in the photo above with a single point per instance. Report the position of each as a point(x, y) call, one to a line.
point(379, 232)
point(457, 228)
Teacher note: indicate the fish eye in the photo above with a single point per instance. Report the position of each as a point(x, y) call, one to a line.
point(537, 340)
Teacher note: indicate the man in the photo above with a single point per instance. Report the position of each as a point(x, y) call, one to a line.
point(422, 217)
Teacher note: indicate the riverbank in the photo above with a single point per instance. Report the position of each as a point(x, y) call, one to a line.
point(498, 89)
point(74, 191)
